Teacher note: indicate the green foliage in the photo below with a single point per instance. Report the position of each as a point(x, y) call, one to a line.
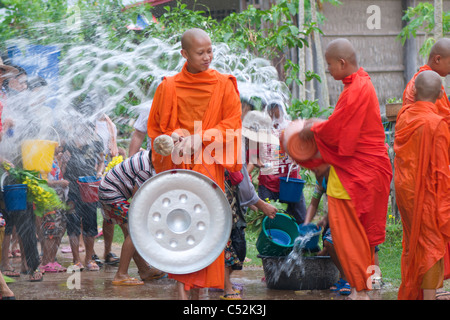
point(394, 100)
point(307, 109)
point(421, 19)
point(103, 23)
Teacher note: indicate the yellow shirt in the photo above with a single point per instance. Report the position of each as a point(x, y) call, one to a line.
point(335, 188)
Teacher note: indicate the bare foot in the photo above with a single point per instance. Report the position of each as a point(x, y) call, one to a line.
point(358, 295)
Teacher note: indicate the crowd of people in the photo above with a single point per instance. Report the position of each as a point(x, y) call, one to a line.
point(354, 172)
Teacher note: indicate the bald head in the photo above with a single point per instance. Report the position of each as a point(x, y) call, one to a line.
point(341, 49)
point(428, 85)
point(441, 47)
point(341, 58)
point(191, 35)
point(439, 58)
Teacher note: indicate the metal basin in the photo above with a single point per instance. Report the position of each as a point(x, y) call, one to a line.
point(180, 221)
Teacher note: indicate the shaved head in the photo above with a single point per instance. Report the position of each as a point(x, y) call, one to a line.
point(439, 58)
point(341, 58)
point(341, 49)
point(190, 35)
point(441, 47)
point(196, 48)
point(428, 86)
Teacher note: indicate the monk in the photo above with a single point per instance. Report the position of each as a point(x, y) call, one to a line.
point(203, 107)
point(422, 185)
point(352, 142)
point(438, 61)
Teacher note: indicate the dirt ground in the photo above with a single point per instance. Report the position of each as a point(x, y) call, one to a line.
point(97, 285)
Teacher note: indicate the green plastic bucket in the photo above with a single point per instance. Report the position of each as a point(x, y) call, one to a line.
point(277, 236)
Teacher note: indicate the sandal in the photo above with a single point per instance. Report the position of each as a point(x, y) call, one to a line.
point(128, 282)
point(231, 296)
point(155, 276)
point(112, 259)
point(36, 276)
point(49, 267)
point(338, 285)
point(59, 267)
point(442, 295)
point(92, 266)
point(77, 267)
point(345, 290)
point(97, 260)
point(11, 273)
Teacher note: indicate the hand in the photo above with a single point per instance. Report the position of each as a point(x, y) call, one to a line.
point(322, 223)
point(268, 209)
point(64, 183)
point(189, 145)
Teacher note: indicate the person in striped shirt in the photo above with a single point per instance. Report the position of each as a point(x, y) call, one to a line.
point(115, 191)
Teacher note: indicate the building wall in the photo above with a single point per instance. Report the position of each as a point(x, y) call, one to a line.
point(380, 53)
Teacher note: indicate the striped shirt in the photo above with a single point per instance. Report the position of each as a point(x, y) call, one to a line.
point(119, 182)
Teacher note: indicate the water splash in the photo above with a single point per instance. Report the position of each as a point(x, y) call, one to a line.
point(292, 263)
point(95, 79)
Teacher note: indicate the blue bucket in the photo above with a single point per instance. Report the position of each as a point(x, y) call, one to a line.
point(279, 237)
point(291, 190)
point(309, 236)
point(15, 196)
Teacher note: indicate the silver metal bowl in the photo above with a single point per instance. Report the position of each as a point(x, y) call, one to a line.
point(180, 221)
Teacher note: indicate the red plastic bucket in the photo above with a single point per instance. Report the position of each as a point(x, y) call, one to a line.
point(88, 187)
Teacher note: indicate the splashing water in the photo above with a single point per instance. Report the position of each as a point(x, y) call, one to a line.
point(95, 79)
point(293, 262)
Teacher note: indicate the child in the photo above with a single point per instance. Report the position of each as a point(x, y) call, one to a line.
point(53, 223)
point(422, 186)
point(85, 158)
point(116, 188)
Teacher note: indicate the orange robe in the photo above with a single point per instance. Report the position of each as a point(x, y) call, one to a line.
point(443, 105)
point(422, 185)
point(213, 99)
point(352, 141)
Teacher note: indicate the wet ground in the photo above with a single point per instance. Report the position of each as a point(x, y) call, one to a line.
point(97, 285)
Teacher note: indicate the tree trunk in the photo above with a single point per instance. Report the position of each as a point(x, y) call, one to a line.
point(323, 96)
point(301, 51)
point(438, 29)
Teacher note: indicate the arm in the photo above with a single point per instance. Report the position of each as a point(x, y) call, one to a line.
point(137, 139)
